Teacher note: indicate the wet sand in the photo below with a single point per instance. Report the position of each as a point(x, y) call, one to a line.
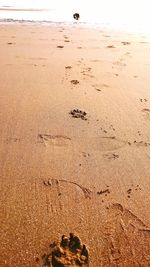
point(75, 143)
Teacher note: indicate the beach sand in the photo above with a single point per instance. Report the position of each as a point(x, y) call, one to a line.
point(75, 143)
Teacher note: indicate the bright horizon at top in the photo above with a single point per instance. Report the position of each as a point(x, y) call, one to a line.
point(133, 14)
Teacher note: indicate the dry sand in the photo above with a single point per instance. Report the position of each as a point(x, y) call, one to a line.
point(74, 143)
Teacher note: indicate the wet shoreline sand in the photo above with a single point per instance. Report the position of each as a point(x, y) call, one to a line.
point(75, 145)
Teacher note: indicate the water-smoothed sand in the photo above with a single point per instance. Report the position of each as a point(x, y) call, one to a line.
point(74, 143)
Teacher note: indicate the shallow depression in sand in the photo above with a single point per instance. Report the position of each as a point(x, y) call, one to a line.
point(105, 143)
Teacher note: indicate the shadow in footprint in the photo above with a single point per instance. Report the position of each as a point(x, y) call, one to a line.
point(68, 252)
point(54, 140)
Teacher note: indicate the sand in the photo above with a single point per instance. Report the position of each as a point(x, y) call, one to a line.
point(75, 143)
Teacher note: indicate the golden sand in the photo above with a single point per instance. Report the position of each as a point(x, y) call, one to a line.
point(75, 143)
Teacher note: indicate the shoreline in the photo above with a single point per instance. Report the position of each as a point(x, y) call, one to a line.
point(94, 26)
point(86, 25)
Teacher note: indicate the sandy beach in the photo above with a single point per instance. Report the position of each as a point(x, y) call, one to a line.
point(75, 143)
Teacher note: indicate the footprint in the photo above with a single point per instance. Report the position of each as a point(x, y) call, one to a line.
point(74, 82)
point(126, 43)
point(130, 218)
point(111, 156)
point(130, 190)
point(105, 191)
point(53, 194)
point(87, 192)
point(100, 86)
point(95, 60)
point(68, 252)
point(141, 143)
point(54, 183)
point(68, 67)
point(119, 63)
point(13, 140)
point(79, 114)
point(122, 231)
point(146, 113)
point(55, 140)
point(107, 143)
point(110, 46)
point(143, 100)
point(60, 46)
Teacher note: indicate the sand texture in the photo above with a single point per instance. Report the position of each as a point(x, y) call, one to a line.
point(74, 145)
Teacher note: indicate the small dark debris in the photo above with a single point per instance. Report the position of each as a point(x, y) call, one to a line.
point(125, 43)
point(129, 191)
point(68, 67)
point(110, 46)
point(76, 16)
point(103, 192)
point(60, 46)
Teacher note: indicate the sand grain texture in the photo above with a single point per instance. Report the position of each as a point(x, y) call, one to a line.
point(60, 172)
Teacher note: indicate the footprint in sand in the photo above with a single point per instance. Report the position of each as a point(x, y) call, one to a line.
point(107, 144)
point(60, 46)
point(55, 184)
point(111, 156)
point(104, 192)
point(128, 217)
point(100, 86)
point(74, 82)
point(13, 140)
point(125, 238)
point(68, 67)
point(126, 43)
point(79, 114)
point(141, 143)
point(95, 60)
point(143, 100)
point(119, 64)
point(131, 190)
point(54, 140)
point(68, 252)
point(110, 46)
point(146, 113)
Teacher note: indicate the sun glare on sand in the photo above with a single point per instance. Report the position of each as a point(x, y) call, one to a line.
point(132, 14)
